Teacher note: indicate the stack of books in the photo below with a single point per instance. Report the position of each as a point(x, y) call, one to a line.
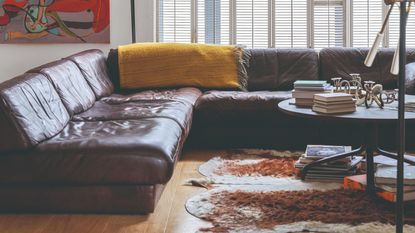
point(333, 171)
point(385, 181)
point(334, 103)
point(304, 91)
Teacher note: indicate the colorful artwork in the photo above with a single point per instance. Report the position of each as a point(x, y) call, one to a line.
point(54, 21)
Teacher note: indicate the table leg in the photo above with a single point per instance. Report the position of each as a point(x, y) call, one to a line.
point(371, 145)
point(370, 171)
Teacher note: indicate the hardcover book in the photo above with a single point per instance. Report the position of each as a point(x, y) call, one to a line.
point(336, 110)
point(322, 151)
point(328, 97)
point(310, 83)
point(387, 175)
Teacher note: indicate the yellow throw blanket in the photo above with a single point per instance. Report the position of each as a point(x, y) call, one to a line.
point(165, 65)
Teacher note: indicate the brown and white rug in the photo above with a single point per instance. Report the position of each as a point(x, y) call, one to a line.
point(257, 191)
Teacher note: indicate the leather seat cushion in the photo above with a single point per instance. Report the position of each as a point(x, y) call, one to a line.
point(70, 85)
point(92, 64)
point(172, 104)
point(124, 152)
point(186, 94)
point(229, 101)
point(246, 119)
point(30, 112)
point(180, 112)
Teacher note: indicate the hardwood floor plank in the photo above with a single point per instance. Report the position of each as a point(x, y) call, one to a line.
point(180, 221)
point(158, 220)
point(126, 224)
point(76, 223)
point(23, 223)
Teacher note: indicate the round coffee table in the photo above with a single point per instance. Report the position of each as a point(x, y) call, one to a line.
point(369, 118)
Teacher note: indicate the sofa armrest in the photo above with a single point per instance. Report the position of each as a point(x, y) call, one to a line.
point(410, 79)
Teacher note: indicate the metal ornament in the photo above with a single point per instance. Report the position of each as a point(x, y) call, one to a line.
point(389, 96)
point(366, 94)
point(341, 85)
point(373, 94)
point(356, 89)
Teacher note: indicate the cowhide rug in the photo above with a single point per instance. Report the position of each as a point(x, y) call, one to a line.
point(257, 191)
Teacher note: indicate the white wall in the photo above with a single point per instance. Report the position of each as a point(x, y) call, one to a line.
point(17, 59)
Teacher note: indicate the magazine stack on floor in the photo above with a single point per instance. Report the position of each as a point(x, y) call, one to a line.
point(304, 91)
point(385, 180)
point(332, 171)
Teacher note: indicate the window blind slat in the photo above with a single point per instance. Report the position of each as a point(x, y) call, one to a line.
point(394, 29)
point(213, 21)
point(175, 21)
point(249, 22)
point(252, 23)
point(367, 21)
point(328, 23)
point(291, 23)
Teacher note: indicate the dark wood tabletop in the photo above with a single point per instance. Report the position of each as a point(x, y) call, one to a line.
point(373, 114)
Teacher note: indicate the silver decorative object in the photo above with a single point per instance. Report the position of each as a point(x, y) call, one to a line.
point(366, 94)
point(356, 88)
point(337, 84)
point(389, 96)
point(341, 85)
point(353, 87)
point(373, 94)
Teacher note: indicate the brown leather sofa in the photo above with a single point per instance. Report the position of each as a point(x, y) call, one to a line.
point(70, 144)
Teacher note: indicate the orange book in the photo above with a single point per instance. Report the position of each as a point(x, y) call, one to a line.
point(389, 196)
point(357, 182)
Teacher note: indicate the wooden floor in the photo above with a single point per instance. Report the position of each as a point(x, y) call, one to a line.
point(170, 215)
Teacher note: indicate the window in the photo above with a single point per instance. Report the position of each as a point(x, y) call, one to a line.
point(278, 23)
point(394, 29)
point(367, 21)
point(291, 23)
point(213, 22)
point(176, 21)
point(328, 23)
point(252, 23)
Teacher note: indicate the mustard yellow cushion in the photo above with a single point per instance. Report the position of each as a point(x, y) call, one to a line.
point(164, 65)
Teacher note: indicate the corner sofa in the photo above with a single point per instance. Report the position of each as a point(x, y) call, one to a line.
point(72, 143)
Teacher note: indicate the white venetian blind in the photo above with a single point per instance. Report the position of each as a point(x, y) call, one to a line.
point(213, 25)
point(290, 23)
point(252, 23)
point(175, 21)
point(394, 28)
point(367, 18)
point(328, 23)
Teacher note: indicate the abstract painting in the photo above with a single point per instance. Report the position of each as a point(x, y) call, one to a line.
point(54, 21)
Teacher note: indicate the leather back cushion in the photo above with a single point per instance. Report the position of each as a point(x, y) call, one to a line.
point(70, 84)
point(31, 111)
point(92, 64)
point(278, 69)
point(341, 62)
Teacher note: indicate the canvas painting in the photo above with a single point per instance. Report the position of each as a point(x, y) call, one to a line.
point(54, 21)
